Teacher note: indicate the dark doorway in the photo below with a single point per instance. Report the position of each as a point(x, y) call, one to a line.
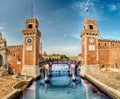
point(116, 66)
point(1, 60)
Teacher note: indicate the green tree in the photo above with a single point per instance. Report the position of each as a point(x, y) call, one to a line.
point(64, 57)
point(45, 53)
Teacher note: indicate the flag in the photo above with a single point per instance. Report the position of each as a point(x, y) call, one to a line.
point(87, 9)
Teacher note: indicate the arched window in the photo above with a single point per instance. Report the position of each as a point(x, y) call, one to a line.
point(98, 44)
point(30, 26)
point(90, 26)
point(14, 55)
point(105, 44)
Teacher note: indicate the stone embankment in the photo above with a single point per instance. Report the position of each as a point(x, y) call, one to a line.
point(6, 83)
point(11, 87)
point(107, 81)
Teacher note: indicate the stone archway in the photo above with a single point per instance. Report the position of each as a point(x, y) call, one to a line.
point(1, 60)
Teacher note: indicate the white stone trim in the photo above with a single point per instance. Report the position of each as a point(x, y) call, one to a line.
point(34, 50)
point(24, 50)
point(91, 36)
point(29, 35)
point(97, 55)
point(30, 70)
point(85, 49)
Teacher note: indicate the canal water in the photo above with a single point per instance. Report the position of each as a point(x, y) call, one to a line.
point(62, 87)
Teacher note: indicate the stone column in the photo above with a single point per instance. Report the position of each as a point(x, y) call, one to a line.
point(73, 72)
point(46, 76)
point(50, 70)
point(47, 73)
point(70, 69)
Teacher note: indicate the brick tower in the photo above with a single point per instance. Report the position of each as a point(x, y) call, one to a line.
point(31, 48)
point(89, 42)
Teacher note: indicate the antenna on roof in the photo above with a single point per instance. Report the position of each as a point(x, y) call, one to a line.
point(31, 11)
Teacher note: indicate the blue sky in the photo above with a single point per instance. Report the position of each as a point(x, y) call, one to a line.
point(60, 21)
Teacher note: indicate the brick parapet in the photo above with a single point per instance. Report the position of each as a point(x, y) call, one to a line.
point(15, 47)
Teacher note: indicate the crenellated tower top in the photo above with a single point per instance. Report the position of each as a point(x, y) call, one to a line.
point(31, 26)
point(89, 27)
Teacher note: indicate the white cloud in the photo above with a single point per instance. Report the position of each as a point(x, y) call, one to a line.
point(88, 9)
point(2, 26)
point(50, 22)
point(75, 35)
point(113, 7)
point(65, 35)
point(67, 50)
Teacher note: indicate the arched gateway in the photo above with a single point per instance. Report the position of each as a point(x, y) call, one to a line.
point(1, 60)
point(3, 51)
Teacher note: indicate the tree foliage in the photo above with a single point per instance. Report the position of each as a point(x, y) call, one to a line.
point(62, 56)
point(45, 53)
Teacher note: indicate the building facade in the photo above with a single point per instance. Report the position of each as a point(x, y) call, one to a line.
point(96, 51)
point(78, 58)
point(51, 57)
point(24, 59)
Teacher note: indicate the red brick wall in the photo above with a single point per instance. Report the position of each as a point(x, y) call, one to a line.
point(109, 52)
point(15, 53)
point(114, 57)
point(104, 57)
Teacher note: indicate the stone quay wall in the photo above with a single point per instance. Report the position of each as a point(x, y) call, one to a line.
point(85, 73)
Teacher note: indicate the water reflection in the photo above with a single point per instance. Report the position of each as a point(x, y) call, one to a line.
point(62, 87)
point(46, 87)
point(91, 92)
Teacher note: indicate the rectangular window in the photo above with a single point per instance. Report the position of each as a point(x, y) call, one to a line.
point(30, 26)
point(90, 26)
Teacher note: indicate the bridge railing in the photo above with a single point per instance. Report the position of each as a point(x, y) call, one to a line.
point(59, 62)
